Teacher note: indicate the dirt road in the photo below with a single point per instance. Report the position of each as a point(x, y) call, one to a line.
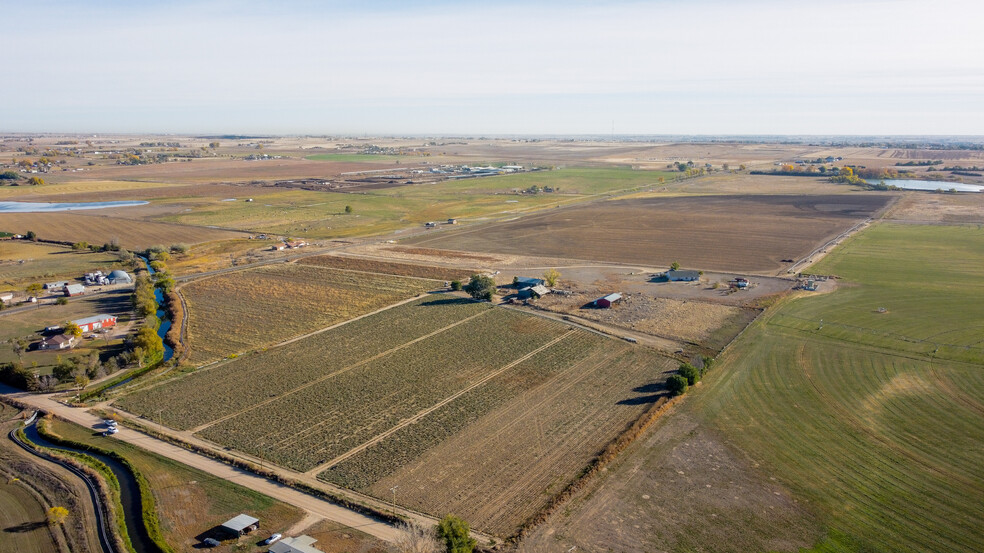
point(308, 503)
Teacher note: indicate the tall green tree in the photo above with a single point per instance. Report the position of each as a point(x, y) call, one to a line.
point(481, 287)
point(456, 535)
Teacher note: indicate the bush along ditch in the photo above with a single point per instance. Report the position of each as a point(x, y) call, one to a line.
point(150, 519)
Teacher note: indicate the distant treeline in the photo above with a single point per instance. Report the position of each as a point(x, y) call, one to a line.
point(920, 163)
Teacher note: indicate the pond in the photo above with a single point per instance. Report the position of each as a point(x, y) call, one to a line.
point(909, 184)
point(40, 207)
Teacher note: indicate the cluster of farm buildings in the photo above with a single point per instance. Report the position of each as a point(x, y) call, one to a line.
point(58, 339)
point(243, 524)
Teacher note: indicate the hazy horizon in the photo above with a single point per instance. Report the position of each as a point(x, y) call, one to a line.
point(709, 67)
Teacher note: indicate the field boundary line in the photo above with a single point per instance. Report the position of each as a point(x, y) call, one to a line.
point(336, 373)
point(415, 418)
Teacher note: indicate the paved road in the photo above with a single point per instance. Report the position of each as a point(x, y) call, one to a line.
point(308, 503)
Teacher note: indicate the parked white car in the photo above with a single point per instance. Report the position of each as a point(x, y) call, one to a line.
point(272, 539)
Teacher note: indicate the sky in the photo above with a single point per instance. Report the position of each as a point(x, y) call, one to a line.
point(512, 67)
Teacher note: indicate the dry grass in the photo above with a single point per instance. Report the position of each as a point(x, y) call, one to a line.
point(251, 309)
point(388, 267)
point(100, 229)
point(23, 262)
point(728, 233)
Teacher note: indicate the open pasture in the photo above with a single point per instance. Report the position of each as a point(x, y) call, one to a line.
point(864, 429)
point(250, 309)
point(728, 233)
point(387, 267)
point(99, 229)
point(23, 262)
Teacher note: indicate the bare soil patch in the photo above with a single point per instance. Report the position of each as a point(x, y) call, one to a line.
point(939, 208)
point(681, 489)
point(739, 233)
point(387, 267)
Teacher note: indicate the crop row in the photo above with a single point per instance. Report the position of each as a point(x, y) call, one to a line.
point(250, 379)
point(388, 267)
point(406, 445)
point(249, 309)
point(309, 427)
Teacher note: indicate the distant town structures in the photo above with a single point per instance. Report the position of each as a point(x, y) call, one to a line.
point(300, 544)
point(96, 322)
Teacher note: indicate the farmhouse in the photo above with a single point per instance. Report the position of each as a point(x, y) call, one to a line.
point(74, 290)
point(526, 282)
point(241, 525)
point(300, 544)
point(682, 276)
point(61, 341)
point(120, 277)
point(96, 322)
point(56, 285)
point(607, 301)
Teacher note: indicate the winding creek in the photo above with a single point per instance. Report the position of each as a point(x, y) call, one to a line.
point(129, 492)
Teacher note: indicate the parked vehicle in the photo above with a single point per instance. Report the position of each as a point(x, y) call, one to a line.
point(211, 542)
point(272, 539)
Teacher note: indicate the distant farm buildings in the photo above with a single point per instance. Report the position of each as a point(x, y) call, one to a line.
point(74, 290)
point(682, 275)
point(300, 544)
point(607, 301)
point(241, 525)
point(60, 284)
point(96, 322)
point(6, 297)
point(526, 282)
point(534, 292)
point(60, 341)
point(120, 277)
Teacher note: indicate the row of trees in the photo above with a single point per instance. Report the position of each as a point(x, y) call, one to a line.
point(688, 375)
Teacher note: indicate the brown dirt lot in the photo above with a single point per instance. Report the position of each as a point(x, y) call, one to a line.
point(225, 170)
point(728, 233)
point(680, 489)
point(387, 267)
point(689, 321)
point(99, 229)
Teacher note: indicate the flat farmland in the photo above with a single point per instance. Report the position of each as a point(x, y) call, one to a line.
point(498, 454)
point(246, 310)
point(97, 229)
point(858, 433)
point(380, 397)
point(388, 267)
point(23, 262)
point(727, 233)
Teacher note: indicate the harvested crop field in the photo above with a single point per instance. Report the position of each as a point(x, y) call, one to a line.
point(387, 267)
point(97, 229)
point(709, 324)
point(728, 233)
point(409, 393)
point(246, 310)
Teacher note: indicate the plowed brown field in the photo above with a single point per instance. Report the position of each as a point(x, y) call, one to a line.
point(730, 233)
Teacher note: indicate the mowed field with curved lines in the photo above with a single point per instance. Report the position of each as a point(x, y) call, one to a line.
point(872, 422)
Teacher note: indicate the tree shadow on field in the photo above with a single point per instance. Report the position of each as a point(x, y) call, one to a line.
point(652, 392)
point(25, 527)
point(448, 301)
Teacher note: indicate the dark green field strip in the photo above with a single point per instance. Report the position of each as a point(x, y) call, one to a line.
point(304, 429)
point(408, 444)
point(248, 380)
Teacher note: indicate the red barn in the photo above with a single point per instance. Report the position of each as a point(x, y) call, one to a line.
point(96, 322)
point(607, 301)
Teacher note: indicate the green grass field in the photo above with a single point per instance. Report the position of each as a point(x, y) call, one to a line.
point(880, 434)
point(315, 214)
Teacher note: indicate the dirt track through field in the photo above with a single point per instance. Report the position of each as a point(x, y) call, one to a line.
point(411, 420)
point(339, 371)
